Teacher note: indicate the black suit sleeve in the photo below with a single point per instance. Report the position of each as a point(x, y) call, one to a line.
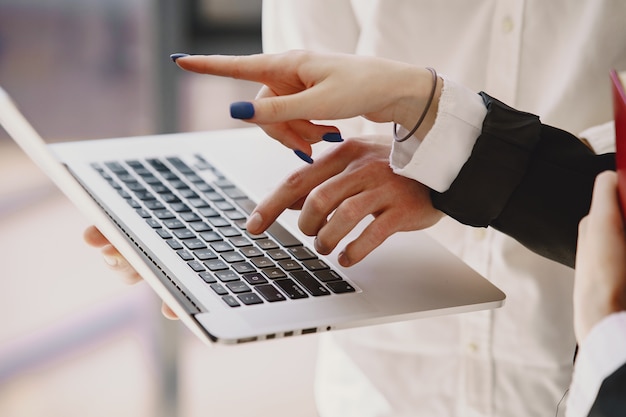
point(531, 181)
point(611, 399)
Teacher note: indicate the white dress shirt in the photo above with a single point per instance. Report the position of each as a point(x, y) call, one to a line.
point(547, 57)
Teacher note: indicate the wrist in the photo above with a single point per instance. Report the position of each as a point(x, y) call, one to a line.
point(414, 105)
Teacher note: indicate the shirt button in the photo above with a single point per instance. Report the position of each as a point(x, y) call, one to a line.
point(472, 347)
point(480, 233)
point(507, 24)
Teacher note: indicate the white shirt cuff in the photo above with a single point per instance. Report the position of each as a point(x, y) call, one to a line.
point(601, 353)
point(437, 160)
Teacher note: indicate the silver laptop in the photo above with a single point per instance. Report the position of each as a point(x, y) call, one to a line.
point(175, 206)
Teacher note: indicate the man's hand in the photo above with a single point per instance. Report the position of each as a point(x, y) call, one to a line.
point(347, 184)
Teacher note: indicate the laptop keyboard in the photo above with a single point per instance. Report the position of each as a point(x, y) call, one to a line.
point(202, 218)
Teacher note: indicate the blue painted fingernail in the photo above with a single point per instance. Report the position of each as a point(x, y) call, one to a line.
point(242, 110)
point(306, 158)
point(174, 57)
point(332, 137)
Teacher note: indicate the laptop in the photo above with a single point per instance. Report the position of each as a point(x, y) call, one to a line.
point(618, 87)
point(175, 206)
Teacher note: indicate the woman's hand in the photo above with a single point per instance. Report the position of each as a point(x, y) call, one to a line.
point(117, 262)
point(300, 87)
point(600, 277)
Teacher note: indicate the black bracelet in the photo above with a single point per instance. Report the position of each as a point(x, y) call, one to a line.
point(423, 116)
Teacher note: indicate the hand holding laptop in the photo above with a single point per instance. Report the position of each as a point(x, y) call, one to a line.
point(600, 285)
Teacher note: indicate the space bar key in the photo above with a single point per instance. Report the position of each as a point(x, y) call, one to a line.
point(283, 236)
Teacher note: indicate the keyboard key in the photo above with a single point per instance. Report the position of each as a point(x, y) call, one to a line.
point(208, 212)
point(238, 287)
point(159, 188)
point(185, 255)
point(204, 254)
point(219, 289)
point(274, 273)
point(315, 264)
point(224, 206)
point(164, 214)
point(301, 253)
point(194, 244)
point(180, 207)
point(278, 254)
point(189, 193)
point(266, 244)
point(144, 195)
point(154, 205)
point(270, 293)
point(164, 234)
point(340, 287)
point(143, 213)
point(218, 222)
point(213, 196)
point(196, 266)
point(153, 223)
point(198, 203)
point(207, 277)
point(230, 231)
point(251, 252)
point(290, 288)
point(234, 215)
point(210, 236)
point(190, 216)
point(173, 224)
point(184, 233)
point(246, 204)
point(232, 257)
point(200, 227)
point(227, 276)
point(289, 265)
point(239, 241)
point(174, 244)
point(230, 300)
point(262, 262)
point(313, 286)
point(282, 235)
point(234, 193)
point(178, 184)
point(249, 298)
point(255, 278)
point(243, 268)
point(327, 275)
point(221, 246)
point(133, 203)
point(215, 265)
point(170, 198)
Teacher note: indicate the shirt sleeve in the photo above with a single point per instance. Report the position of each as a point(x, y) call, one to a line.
point(531, 181)
point(601, 353)
point(437, 160)
point(601, 138)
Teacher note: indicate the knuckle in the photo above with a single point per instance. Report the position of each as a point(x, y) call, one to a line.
point(294, 181)
point(318, 202)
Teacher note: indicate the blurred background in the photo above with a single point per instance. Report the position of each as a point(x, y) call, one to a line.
point(74, 339)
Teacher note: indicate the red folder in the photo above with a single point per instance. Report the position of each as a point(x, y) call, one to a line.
point(619, 107)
